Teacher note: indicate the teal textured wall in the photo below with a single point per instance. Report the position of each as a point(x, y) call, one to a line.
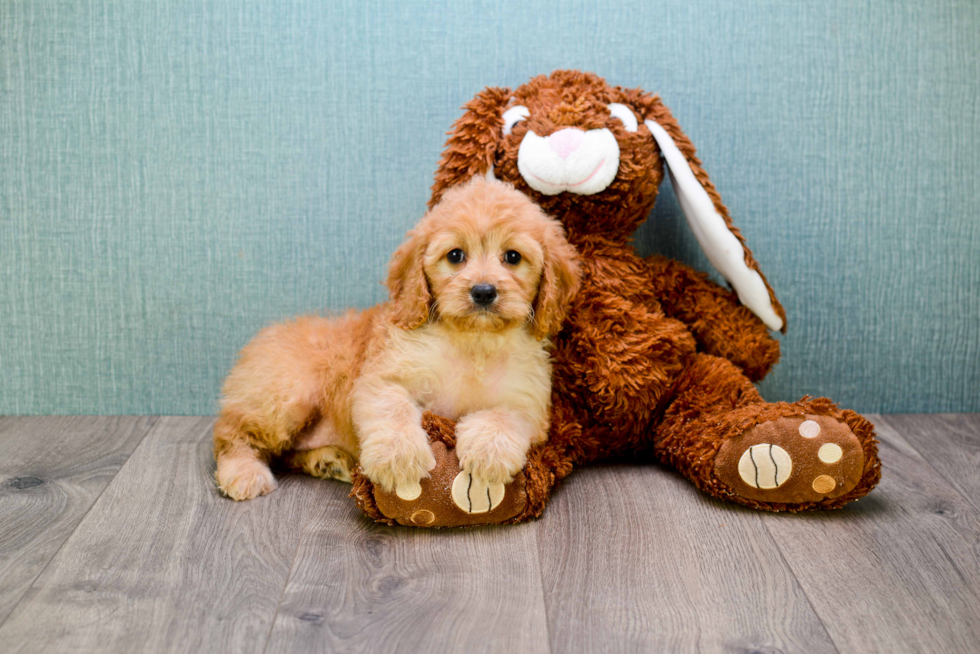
point(174, 175)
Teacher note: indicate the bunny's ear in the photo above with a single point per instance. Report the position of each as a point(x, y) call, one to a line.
point(472, 142)
point(705, 213)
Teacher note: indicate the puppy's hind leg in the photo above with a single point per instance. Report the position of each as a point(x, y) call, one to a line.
point(328, 462)
point(243, 472)
point(268, 398)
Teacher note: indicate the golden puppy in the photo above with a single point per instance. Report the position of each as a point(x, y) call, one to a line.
point(475, 291)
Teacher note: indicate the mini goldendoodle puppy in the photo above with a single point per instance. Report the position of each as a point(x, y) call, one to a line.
point(475, 291)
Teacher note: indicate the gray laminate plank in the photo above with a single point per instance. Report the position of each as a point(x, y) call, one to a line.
point(897, 571)
point(634, 558)
point(950, 442)
point(163, 563)
point(52, 470)
point(358, 586)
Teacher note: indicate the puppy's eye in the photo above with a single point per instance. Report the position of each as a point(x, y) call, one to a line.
point(625, 115)
point(513, 116)
point(513, 257)
point(456, 256)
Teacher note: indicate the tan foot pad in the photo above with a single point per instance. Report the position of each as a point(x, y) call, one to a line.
point(476, 496)
point(792, 460)
point(449, 498)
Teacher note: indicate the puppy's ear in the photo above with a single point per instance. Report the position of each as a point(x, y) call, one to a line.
point(472, 142)
point(560, 281)
point(708, 217)
point(408, 288)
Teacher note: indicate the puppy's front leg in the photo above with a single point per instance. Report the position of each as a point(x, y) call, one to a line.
point(395, 451)
point(492, 444)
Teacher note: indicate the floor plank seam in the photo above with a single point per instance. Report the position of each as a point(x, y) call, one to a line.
point(800, 585)
point(956, 568)
point(544, 598)
point(927, 461)
point(153, 422)
point(968, 501)
point(289, 578)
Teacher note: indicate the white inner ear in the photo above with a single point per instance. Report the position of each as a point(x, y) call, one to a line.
point(723, 248)
point(514, 115)
point(625, 115)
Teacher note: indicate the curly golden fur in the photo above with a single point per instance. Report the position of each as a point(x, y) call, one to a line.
point(323, 394)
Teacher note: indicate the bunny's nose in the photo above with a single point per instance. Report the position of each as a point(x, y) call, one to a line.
point(566, 141)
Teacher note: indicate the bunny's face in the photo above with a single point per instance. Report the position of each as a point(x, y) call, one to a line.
point(593, 155)
point(580, 150)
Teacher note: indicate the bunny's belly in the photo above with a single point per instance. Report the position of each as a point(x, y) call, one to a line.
point(619, 355)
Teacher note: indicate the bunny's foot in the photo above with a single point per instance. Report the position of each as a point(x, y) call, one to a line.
point(448, 497)
point(720, 433)
point(792, 460)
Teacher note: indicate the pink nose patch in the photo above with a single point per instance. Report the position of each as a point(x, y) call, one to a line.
point(566, 141)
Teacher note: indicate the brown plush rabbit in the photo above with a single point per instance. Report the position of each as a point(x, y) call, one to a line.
point(654, 359)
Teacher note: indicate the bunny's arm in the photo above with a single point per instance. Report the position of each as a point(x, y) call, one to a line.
point(720, 324)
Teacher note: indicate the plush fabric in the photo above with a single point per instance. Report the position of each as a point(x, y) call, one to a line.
point(653, 360)
point(177, 174)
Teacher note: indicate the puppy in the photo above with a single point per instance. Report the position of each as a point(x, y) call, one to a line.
point(475, 291)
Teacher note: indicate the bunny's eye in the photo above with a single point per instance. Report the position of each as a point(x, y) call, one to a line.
point(456, 256)
point(625, 115)
point(513, 116)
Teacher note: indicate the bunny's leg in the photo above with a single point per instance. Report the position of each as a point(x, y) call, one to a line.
point(449, 498)
point(719, 433)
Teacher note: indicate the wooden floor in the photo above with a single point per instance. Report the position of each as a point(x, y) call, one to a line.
point(113, 539)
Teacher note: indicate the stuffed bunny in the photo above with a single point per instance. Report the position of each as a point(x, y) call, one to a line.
point(654, 359)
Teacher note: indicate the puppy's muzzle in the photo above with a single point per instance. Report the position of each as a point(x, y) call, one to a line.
point(483, 295)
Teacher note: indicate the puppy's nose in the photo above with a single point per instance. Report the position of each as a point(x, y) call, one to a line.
point(566, 141)
point(483, 294)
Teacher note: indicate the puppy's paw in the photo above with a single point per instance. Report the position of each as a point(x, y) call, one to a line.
point(328, 462)
point(397, 461)
point(244, 478)
point(488, 450)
